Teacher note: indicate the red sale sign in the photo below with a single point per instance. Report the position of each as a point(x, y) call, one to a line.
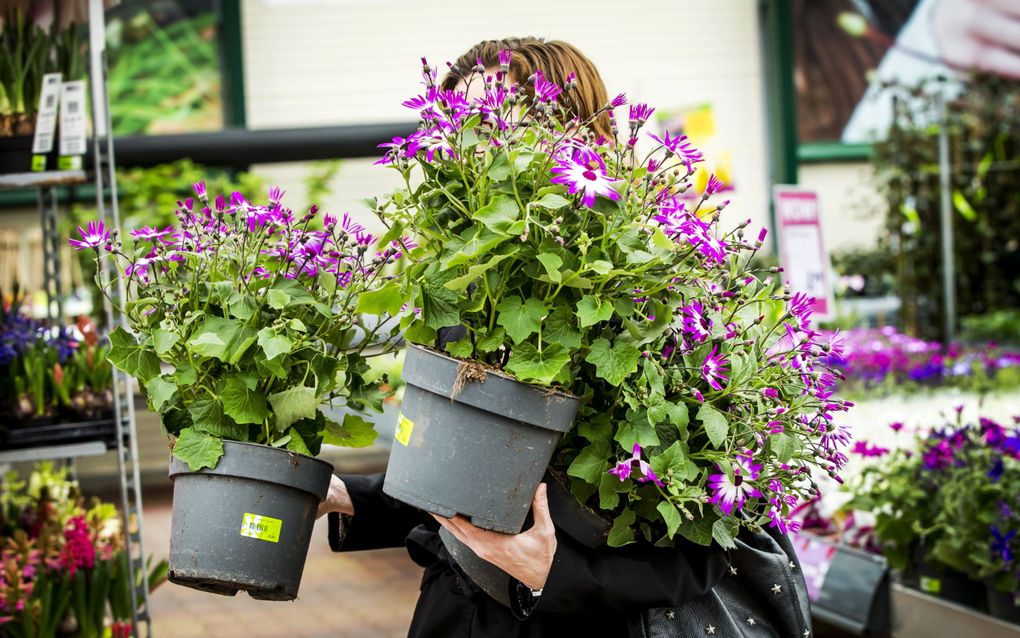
point(801, 249)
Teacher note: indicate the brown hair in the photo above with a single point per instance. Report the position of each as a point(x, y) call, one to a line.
point(556, 59)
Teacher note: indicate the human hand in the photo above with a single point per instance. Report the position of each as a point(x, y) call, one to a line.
point(337, 499)
point(979, 34)
point(527, 556)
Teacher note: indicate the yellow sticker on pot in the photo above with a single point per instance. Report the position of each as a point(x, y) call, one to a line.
point(404, 427)
point(261, 527)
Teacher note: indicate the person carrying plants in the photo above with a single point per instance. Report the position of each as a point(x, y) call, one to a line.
point(564, 578)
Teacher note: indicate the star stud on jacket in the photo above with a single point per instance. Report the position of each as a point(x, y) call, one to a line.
point(776, 589)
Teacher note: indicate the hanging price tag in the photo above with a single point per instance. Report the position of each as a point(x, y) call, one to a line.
point(72, 124)
point(46, 122)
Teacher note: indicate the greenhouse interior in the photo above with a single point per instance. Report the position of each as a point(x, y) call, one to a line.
point(582, 318)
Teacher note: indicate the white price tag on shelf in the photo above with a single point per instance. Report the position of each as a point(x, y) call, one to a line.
point(46, 123)
point(802, 251)
point(72, 118)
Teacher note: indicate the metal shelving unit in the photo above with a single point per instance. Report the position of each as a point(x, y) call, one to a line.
point(126, 444)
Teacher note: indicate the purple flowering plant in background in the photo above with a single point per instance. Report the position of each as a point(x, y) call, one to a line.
point(952, 494)
point(581, 262)
point(246, 318)
point(875, 359)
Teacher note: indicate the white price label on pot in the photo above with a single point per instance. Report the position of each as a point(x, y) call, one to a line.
point(72, 118)
point(46, 122)
point(261, 527)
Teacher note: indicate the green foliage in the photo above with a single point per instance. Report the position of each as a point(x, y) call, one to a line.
point(984, 130)
point(626, 297)
point(245, 323)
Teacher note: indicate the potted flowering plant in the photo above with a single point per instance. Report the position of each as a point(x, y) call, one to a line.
point(584, 275)
point(945, 512)
point(63, 566)
point(245, 321)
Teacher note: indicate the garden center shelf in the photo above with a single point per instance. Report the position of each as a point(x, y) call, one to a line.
point(118, 433)
point(44, 179)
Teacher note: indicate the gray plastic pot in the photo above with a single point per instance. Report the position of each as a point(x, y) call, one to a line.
point(246, 524)
point(480, 451)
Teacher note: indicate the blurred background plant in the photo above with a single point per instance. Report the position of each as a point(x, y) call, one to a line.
point(983, 122)
point(50, 373)
point(63, 565)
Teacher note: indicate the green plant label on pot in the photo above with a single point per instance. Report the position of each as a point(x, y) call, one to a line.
point(404, 428)
point(931, 585)
point(261, 527)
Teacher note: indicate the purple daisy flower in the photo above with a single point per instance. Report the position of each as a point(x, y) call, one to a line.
point(545, 91)
point(731, 493)
point(93, 236)
point(147, 233)
point(639, 113)
point(679, 146)
point(624, 468)
point(581, 177)
point(199, 188)
point(618, 101)
point(712, 369)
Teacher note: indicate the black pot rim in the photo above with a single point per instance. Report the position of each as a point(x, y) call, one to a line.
point(296, 470)
point(490, 371)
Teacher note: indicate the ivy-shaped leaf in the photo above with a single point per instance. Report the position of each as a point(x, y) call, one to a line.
point(531, 366)
point(272, 343)
point(197, 449)
point(125, 353)
point(292, 405)
point(207, 416)
point(552, 264)
point(242, 403)
point(591, 311)
point(671, 515)
point(716, 425)
point(520, 319)
point(498, 214)
point(160, 389)
point(591, 463)
point(622, 533)
point(355, 432)
point(613, 362)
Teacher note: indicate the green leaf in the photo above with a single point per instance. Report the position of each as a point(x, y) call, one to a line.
point(197, 449)
point(125, 353)
point(223, 339)
point(288, 292)
point(591, 463)
point(474, 243)
point(268, 367)
point(355, 432)
point(521, 319)
point(559, 329)
point(207, 416)
point(292, 405)
point(439, 303)
point(498, 214)
point(963, 206)
point(185, 375)
point(297, 444)
point(473, 273)
point(273, 344)
point(610, 488)
point(591, 311)
point(784, 446)
point(698, 531)
point(160, 389)
point(722, 534)
point(531, 366)
point(674, 459)
point(601, 266)
point(552, 265)
point(671, 516)
point(622, 533)
point(679, 415)
point(242, 306)
point(164, 340)
point(384, 301)
point(461, 349)
point(613, 362)
point(241, 403)
point(716, 425)
point(552, 201)
point(638, 431)
point(492, 341)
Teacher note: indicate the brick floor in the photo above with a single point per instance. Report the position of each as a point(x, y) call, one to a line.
point(364, 595)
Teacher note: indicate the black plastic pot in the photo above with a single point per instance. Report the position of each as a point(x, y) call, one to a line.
point(1003, 605)
point(476, 448)
point(246, 524)
point(16, 155)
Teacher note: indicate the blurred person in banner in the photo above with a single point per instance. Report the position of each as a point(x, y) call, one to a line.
point(559, 582)
point(847, 50)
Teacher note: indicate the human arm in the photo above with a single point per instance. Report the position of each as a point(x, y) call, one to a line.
point(368, 518)
point(575, 578)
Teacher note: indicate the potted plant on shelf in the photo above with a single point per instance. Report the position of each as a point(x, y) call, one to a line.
point(560, 271)
point(64, 567)
point(245, 321)
point(57, 383)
